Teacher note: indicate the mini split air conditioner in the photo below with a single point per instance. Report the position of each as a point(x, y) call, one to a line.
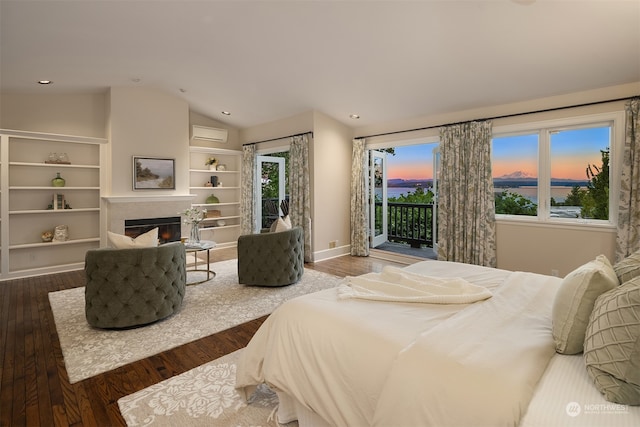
point(208, 134)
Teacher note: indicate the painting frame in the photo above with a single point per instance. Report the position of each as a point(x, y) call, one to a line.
point(154, 173)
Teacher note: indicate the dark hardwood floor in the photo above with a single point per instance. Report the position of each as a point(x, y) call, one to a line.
point(34, 387)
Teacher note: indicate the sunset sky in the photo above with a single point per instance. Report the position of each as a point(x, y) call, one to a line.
point(571, 151)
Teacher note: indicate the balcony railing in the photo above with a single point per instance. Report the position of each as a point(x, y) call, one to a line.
point(409, 222)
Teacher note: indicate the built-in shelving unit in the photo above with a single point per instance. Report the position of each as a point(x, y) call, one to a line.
point(227, 192)
point(27, 201)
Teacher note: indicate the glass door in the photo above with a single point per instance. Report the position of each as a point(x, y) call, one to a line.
point(378, 197)
point(436, 177)
point(270, 188)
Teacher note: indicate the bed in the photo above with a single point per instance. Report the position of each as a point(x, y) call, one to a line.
point(340, 359)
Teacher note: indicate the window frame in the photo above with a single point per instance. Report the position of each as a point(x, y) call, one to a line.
point(544, 129)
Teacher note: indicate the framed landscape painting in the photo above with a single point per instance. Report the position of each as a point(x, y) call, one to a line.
point(153, 173)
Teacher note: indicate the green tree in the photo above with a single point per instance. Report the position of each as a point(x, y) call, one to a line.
point(595, 203)
point(514, 204)
point(575, 197)
point(417, 196)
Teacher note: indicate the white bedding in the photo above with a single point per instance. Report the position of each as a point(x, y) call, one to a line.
point(367, 363)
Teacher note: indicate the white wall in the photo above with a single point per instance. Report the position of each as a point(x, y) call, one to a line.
point(331, 207)
point(72, 114)
point(330, 172)
point(146, 122)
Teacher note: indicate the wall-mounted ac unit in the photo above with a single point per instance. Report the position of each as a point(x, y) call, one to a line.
point(208, 134)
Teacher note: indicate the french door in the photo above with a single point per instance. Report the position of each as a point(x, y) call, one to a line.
point(436, 177)
point(378, 198)
point(270, 188)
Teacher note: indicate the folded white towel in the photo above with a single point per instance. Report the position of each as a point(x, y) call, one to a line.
point(395, 284)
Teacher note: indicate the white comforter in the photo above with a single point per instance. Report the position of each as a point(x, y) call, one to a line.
point(358, 363)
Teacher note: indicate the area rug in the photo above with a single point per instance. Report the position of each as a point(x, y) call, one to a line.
point(210, 307)
point(203, 396)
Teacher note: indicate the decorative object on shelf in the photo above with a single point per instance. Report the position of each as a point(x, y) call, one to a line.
point(212, 199)
point(58, 202)
point(212, 162)
point(58, 159)
point(221, 223)
point(61, 233)
point(194, 216)
point(214, 213)
point(153, 173)
point(214, 180)
point(47, 236)
point(222, 167)
point(208, 184)
point(58, 181)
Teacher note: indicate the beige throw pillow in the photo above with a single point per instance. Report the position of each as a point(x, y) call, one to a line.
point(574, 302)
point(145, 240)
point(283, 224)
point(612, 344)
point(628, 268)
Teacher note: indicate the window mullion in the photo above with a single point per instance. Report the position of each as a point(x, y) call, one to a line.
point(544, 175)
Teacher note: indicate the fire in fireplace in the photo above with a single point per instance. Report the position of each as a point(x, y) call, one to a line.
point(169, 229)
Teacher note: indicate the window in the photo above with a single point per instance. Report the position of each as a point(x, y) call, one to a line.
point(560, 170)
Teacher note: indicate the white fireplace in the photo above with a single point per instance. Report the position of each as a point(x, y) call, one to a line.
point(124, 208)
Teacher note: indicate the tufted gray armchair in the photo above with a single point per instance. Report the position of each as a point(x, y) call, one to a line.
point(132, 287)
point(271, 259)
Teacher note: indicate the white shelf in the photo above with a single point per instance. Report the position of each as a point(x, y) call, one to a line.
point(215, 204)
point(53, 211)
point(229, 194)
point(42, 244)
point(21, 187)
point(54, 165)
point(222, 217)
point(220, 227)
point(214, 188)
point(23, 217)
point(209, 171)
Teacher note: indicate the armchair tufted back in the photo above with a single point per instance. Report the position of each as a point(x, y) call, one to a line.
point(271, 259)
point(131, 287)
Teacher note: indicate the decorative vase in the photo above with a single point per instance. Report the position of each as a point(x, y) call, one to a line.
point(194, 235)
point(58, 181)
point(213, 166)
point(212, 199)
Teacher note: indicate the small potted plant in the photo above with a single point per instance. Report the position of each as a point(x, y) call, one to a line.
point(212, 162)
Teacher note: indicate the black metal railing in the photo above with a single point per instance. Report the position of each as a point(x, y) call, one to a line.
point(409, 222)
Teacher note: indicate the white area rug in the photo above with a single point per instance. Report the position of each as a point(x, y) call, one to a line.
point(203, 396)
point(210, 307)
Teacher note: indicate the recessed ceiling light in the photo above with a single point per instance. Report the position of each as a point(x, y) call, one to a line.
point(45, 82)
point(226, 113)
point(354, 116)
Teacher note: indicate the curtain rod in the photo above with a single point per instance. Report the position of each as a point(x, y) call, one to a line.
point(500, 117)
point(282, 137)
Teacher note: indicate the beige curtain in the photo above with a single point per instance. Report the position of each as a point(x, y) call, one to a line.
point(247, 193)
point(628, 237)
point(359, 200)
point(466, 209)
point(299, 190)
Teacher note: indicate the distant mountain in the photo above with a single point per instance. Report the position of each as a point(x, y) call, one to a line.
point(523, 179)
point(517, 175)
point(399, 182)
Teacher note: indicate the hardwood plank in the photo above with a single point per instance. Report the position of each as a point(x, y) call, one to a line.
point(34, 385)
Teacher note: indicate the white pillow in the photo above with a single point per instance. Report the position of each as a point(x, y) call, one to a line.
point(283, 224)
point(145, 240)
point(574, 302)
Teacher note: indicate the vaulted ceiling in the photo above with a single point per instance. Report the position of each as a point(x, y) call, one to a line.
point(266, 60)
